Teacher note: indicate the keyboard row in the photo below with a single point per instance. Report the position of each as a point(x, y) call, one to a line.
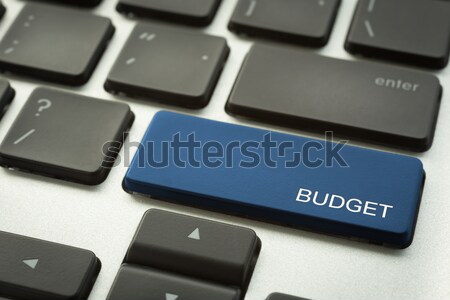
point(373, 196)
point(376, 31)
point(171, 256)
point(361, 100)
point(35, 269)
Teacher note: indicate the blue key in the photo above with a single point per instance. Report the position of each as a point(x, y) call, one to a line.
point(317, 185)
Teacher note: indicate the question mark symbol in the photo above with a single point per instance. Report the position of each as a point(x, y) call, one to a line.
point(45, 104)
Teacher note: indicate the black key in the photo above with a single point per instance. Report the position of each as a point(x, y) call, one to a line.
point(54, 44)
point(412, 32)
point(278, 296)
point(66, 136)
point(139, 283)
point(192, 12)
point(168, 65)
point(360, 100)
point(2, 9)
point(7, 94)
point(39, 270)
point(307, 22)
point(85, 3)
point(195, 247)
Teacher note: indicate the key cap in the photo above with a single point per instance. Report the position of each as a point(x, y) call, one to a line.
point(168, 65)
point(279, 178)
point(195, 247)
point(192, 12)
point(85, 3)
point(390, 30)
point(278, 296)
point(66, 136)
point(54, 44)
point(2, 9)
point(139, 283)
point(7, 94)
point(359, 100)
point(33, 269)
point(306, 22)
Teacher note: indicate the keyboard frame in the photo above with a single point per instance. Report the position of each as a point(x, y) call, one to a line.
point(314, 266)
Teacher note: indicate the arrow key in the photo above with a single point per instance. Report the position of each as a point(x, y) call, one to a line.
point(141, 283)
point(33, 269)
point(195, 247)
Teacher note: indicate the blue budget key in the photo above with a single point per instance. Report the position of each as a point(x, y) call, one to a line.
point(310, 184)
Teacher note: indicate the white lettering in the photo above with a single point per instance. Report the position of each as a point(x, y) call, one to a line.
point(353, 205)
point(301, 193)
point(397, 84)
point(324, 202)
point(367, 207)
point(341, 205)
point(356, 208)
point(385, 209)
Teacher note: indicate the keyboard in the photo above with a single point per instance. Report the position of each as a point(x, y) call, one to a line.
point(229, 150)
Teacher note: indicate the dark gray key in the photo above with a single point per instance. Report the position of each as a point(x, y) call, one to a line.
point(2, 9)
point(195, 247)
point(359, 100)
point(192, 12)
point(139, 283)
point(54, 44)
point(413, 32)
point(306, 22)
point(278, 296)
point(86, 3)
point(66, 136)
point(7, 94)
point(33, 269)
point(168, 65)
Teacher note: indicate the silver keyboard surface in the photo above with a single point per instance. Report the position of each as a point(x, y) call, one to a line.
point(104, 218)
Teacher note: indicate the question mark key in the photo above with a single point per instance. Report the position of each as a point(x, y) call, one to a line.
point(74, 138)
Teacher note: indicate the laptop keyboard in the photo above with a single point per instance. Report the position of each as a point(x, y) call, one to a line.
point(94, 143)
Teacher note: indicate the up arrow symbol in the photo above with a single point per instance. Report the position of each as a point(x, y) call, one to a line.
point(195, 235)
point(171, 297)
point(32, 263)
